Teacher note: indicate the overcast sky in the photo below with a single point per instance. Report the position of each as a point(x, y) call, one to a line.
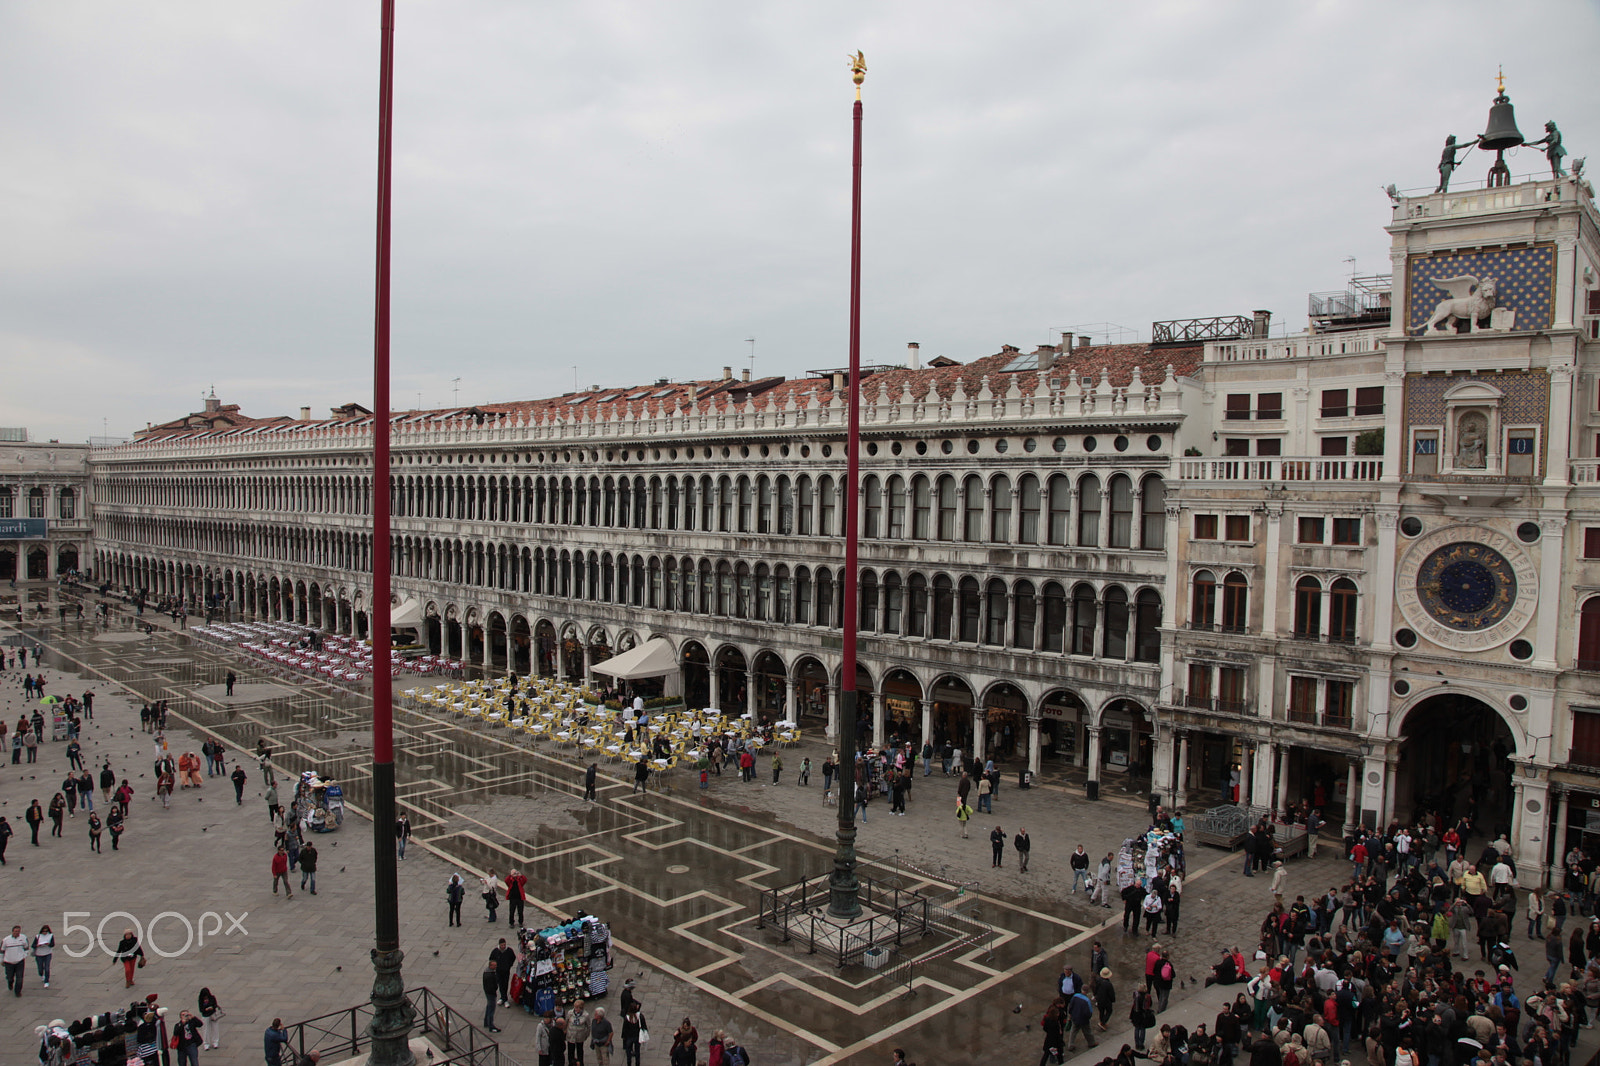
point(187, 189)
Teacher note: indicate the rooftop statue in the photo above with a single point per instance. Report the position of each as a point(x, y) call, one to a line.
point(1553, 151)
point(1447, 160)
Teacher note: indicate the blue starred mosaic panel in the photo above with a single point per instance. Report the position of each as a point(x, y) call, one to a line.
point(1525, 278)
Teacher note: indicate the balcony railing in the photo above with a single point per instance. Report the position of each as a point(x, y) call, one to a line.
point(1280, 468)
point(1218, 704)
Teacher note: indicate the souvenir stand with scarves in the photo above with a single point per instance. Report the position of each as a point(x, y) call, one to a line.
point(109, 1039)
point(562, 964)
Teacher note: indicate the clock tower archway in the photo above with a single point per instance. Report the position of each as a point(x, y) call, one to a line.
point(1455, 758)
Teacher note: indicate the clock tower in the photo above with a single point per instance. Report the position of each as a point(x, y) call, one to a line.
point(1488, 493)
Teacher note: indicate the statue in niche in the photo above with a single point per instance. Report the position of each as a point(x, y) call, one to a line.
point(1472, 439)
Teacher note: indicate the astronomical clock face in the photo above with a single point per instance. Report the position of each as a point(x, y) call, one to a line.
point(1466, 587)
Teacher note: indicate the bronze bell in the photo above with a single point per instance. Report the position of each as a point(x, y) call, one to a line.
point(1502, 132)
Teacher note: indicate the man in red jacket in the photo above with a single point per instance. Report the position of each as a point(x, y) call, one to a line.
point(280, 871)
point(516, 896)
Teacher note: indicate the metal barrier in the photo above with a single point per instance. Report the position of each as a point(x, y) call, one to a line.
point(791, 909)
point(345, 1033)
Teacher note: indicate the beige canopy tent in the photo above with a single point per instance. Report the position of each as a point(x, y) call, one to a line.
point(653, 658)
point(406, 615)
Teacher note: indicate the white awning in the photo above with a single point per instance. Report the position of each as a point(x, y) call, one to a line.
point(653, 658)
point(407, 615)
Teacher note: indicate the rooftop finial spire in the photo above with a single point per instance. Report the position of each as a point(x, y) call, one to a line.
point(858, 71)
point(1500, 80)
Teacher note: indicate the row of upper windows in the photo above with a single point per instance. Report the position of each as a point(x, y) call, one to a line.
point(1318, 613)
point(1224, 688)
point(36, 503)
point(1268, 406)
point(1310, 529)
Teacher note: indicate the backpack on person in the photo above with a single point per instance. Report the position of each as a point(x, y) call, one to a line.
point(736, 1055)
point(1167, 973)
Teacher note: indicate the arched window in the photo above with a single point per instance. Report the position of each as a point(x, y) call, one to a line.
point(970, 609)
point(655, 503)
point(1116, 638)
point(921, 507)
point(689, 513)
point(743, 590)
point(707, 587)
point(872, 508)
point(1060, 510)
point(1147, 627)
point(1342, 611)
point(763, 611)
point(947, 508)
point(807, 505)
point(1022, 632)
point(893, 602)
point(746, 505)
point(763, 504)
point(1000, 513)
point(828, 505)
point(783, 590)
point(1055, 617)
point(802, 595)
point(581, 501)
point(708, 503)
point(724, 588)
point(1308, 608)
point(1203, 603)
point(1028, 505)
point(972, 497)
point(641, 504)
point(896, 504)
point(917, 613)
point(1121, 512)
point(825, 598)
point(1088, 511)
point(1235, 603)
point(867, 594)
point(995, 631)
point(672, 503)
point(1589, 635)
point(785, 507)
point(724, 505)
point(609, 515)
point(1153, 506)
point(1083, 611)
point(943, 606)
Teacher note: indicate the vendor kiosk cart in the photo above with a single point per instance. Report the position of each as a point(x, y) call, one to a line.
point(563, 964)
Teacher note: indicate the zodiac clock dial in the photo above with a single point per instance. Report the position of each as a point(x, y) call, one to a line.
point(1466, 586)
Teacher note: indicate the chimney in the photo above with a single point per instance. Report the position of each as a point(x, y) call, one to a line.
point(694, 393)
point(1263, 323)
point(838, 381)
point(1085, 341)
point(1046, 354)
point(305, 414)
point(914, 355)
point(745, 374)
point(727, 373)
point(212, 403)
point(1066, 344)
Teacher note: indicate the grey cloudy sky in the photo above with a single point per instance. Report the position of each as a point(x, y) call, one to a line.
point(186, 189)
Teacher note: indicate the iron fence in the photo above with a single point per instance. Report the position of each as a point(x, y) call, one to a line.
point(344, 1032)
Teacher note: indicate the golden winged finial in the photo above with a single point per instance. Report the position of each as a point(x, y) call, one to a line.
point(858, 70)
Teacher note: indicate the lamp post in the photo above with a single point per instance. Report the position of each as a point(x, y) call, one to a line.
point(843, 889)
point(392, 1012)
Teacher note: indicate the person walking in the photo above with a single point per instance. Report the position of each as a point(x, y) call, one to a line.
point(503, 958)
point(1079, 861)
point(454, 893)
point(1080, 1010)
point(1102, 883)
point(130, 954)
point(239, 779)
point(633, 1023)
point(186, 1039)
point(35, 818)
point(280, 872)
point(829, 765)
point(578, 1030)
point(997, 843)
point(589, 776)
point(1023, 846)
point(14, 953)
point(273, 809)
point(641, 775)
point(491, 985)
point(601, 1035)
point(58, 814)
point(491, 896)
point(232, 678)
point(402, 834)
point(985, 794)
point(75, 755)
point(210, 1018)
point(69, 789)
point(308, 866)
point(94, 832)
point(107, 780)
point(44, 949)
point(114, 825)
point(963, 815)
point(863, 797)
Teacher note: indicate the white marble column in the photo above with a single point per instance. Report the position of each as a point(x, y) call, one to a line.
point(1283, 778)
point(1352, 798)
point(714, 692)
point(1563, 812)
point(1180, 795)
point(979, 736)
point(875, 700)
point(1374, 778)
point(1094, 753)
point(788, 701)
point(927, 721)
point(1033, 744)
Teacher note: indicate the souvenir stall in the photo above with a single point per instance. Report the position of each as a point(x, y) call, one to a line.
point(562, 964)
point(319, 803)
point(110, 1039)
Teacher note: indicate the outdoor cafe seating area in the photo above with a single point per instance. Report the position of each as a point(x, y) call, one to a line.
point(337, 658)
point(568, 717)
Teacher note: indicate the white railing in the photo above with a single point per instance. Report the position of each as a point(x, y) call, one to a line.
point(1297, 346)
point(1072, 396)
point(1281, 468)
point(1585, 471)
point(1532, 193)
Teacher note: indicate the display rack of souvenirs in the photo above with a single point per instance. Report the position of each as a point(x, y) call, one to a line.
point(563, 964)
point(110, 1039)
